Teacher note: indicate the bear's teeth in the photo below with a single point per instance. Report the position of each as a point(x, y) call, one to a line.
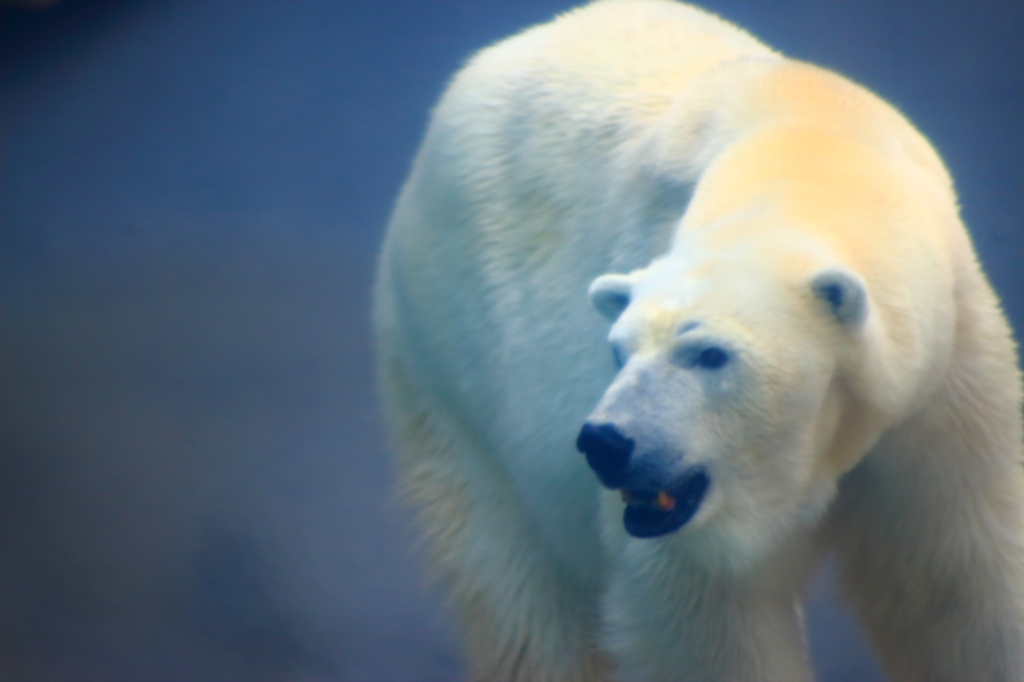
point(665, 502)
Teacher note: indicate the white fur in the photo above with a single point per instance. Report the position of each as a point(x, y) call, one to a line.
point(707, 178)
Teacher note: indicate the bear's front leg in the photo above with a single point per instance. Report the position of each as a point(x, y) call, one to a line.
point(671, 616)
point(930, 535)
point(930, 527)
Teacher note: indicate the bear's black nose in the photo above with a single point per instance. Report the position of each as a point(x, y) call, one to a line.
point(607, 452)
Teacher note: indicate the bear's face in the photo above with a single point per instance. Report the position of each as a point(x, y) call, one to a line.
point(727, 396)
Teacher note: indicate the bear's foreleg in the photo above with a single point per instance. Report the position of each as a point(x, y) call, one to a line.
point(930, 527)
point(668, 618)
point(521, 620)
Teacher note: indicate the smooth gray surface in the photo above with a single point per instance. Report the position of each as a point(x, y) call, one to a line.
point(194, 485)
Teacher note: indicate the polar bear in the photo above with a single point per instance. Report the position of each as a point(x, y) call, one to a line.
point(795, 353)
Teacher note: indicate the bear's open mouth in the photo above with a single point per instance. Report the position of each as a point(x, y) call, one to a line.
point(652, 513)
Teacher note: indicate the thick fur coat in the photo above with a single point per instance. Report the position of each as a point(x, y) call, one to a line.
point(794, 352)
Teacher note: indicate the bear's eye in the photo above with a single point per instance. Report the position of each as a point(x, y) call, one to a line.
point(711, 358)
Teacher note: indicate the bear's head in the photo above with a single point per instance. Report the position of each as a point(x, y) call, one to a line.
point(730, 408)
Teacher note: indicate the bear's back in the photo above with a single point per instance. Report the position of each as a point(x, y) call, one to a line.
point(579, 86)
point(631, 56)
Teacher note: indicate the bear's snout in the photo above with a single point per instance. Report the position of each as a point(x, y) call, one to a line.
point(657, 502)
point(608, 452)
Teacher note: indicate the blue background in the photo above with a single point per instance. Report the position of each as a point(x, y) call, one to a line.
point(193, 483)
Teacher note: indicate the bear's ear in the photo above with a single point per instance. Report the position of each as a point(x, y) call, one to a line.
point(844, 294)
point(610, 294)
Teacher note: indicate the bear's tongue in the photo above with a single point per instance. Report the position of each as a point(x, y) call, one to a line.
point(653, 513)
point(660, 500)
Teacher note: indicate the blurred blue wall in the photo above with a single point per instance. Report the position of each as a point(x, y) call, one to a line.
point(193, 483)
